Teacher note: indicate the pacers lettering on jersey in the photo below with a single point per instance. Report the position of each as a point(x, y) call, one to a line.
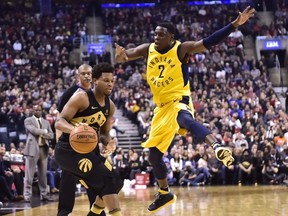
point(161, 83)
point(160, 59)
point(161, 63)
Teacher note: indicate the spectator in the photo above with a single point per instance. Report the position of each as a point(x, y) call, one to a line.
point(6, 180)
point(192, 176)
point(135, 165)
point(36, 152)
point(120, 164)
point(270, 171)
point(176, 166)
point(246, 174)
point(53, 172)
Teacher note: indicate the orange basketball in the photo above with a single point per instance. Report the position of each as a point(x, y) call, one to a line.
point(83, 139)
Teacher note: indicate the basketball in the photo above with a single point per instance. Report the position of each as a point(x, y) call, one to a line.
point(83, 139)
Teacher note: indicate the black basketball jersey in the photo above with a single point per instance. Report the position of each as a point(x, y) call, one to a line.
point(94, 115)
point(67, 95)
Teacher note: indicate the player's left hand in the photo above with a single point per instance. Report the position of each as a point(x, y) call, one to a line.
point(111, 146)
point(244, 16)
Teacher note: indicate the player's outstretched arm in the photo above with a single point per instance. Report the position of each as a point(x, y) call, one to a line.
point(218, 36)
point(123, 55)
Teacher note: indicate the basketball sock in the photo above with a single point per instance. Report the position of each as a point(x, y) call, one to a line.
point(96, 210)
point(164, 190)
point(215, 145)
point(115, 212)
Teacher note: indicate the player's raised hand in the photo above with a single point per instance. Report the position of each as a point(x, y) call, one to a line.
point(244, 16)
point(120, 53)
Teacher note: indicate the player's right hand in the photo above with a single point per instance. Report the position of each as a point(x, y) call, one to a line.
point(81, 123)
point(120, 53)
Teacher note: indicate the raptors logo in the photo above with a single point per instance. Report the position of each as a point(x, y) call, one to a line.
point(85, 165)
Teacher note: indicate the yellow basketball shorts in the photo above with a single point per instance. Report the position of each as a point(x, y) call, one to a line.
point(164, 125)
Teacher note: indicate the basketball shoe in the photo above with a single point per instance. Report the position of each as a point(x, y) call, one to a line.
point(223, 154)
point(163, 198)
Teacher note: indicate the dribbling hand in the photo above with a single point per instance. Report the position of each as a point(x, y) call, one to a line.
point(109, 148)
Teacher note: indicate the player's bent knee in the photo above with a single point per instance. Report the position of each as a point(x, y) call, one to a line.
point(185, 120)
point(155, 156)
point(112, 188)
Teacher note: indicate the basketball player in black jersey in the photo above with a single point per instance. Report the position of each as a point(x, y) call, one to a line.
point(94, 108)
point(68, 180)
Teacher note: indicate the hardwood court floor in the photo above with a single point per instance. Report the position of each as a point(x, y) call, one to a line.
point(192, 201)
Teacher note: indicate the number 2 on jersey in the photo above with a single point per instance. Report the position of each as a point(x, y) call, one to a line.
point(161, 68)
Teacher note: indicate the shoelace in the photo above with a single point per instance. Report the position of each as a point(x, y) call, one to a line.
point(157, 197)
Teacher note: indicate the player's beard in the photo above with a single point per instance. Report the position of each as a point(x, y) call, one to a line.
point(107, 93)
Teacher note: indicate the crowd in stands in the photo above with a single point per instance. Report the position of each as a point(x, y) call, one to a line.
point(34, 69)
point(231, 93)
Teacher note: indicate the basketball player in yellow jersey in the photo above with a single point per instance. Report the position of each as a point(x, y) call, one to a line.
point(171, 93)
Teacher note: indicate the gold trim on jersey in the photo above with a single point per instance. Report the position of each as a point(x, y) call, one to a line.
point(83, 183)
point(98, 118)
point(108, 164)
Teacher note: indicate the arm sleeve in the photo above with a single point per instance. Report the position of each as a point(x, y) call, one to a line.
point(218, 36)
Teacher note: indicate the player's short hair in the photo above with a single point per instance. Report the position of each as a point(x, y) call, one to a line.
point(169, 26)
point(101, 68)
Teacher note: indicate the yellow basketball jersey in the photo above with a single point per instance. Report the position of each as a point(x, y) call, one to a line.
point(165, 75)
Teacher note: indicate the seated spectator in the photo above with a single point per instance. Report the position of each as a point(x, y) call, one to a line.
point(202, 166)
point(146, 166)
point(217, 170)
point(246, 173)
point(135, 165)
point(280, 141)
point(176, 164)
point(120, 164)
point(6, 180)
point(143, 121)
point(257, 161)
point(270, 171)
point(192, 176)
point(18, 169)
point(53, 172)
point(170, 178)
